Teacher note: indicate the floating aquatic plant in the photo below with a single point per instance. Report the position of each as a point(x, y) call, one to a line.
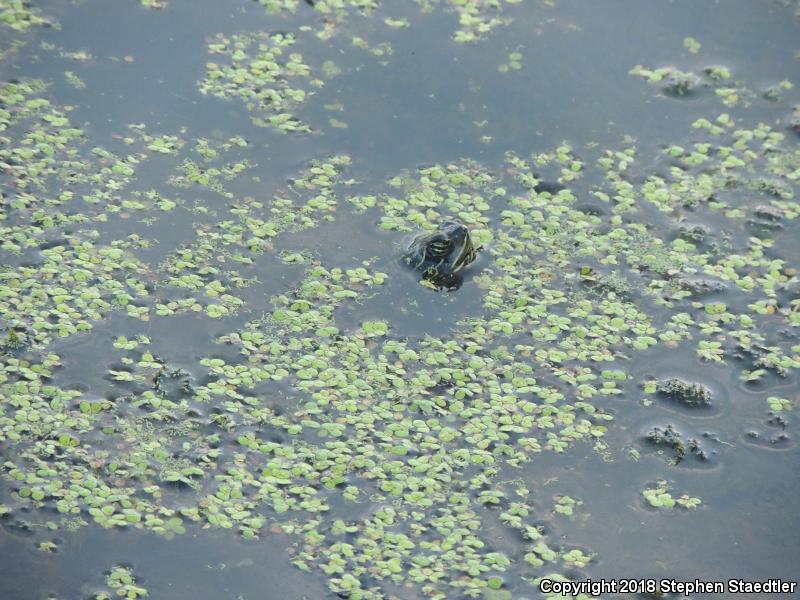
point(262, 71)
point(658, 495)
point(21, 15)
point(382, 455)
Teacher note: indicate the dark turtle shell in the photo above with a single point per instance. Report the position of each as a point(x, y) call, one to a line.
point(441, 254)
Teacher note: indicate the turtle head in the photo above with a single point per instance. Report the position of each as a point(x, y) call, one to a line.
point(461, 251)
point(441, 254)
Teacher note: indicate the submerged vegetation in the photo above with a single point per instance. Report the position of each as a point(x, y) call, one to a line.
point(690, 394)
point(392, 461)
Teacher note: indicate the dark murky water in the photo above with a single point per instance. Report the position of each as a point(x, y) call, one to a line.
point(428, 100)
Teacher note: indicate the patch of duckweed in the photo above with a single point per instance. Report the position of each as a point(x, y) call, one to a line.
point(381, 49)
point(777, 404)
point(56, 178)
point(397, 23)
point(658, 495)
point(466, 406)
point(333, 8)
point(123, 585)
point(205, 167)
point(425, 198)
point(246, 230)
point(58, 436)
point(544, 243)
point(21, 15)
point(74, 55)
point(73, 80)
point(514, 62)
point(9, 48)
point(775, 91)
point(409, 435)
point(677, 83)
point(692, 45)
point(674, 81)
point(389, 399)
point(73, 283)
point(380, 454)
point(330, 70)
point(66, 280)
point(262, 71)
point(335, 16)
point(566, 505)
point(163, 144)
point(476, 18)
point(47, 546)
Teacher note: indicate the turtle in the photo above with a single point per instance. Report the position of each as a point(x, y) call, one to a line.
point(440, 255)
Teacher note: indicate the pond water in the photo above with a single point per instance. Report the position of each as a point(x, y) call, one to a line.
point(219, 380)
